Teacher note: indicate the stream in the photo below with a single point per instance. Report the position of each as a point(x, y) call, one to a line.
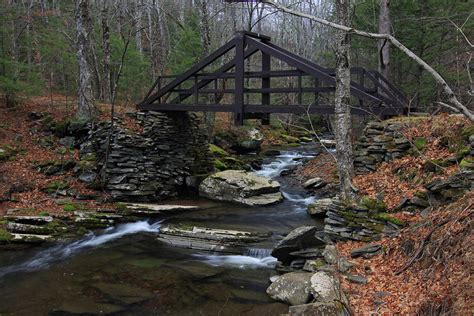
point(124, 270)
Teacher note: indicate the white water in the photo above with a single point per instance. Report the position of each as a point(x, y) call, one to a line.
point(287, 160)
point(236, 261)
point(61, 252)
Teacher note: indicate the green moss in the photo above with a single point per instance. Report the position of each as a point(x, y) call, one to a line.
point(422, 195)
point(290, 139)
point(56, 185)
point(5, 236)
point(372, 204)
point(467, 164)
point(122, 208)
point(467, 131)
point(217, 151)
point(220, 165)
point(420, 143)
point(463, 152)
point(69, 207)
point(388, 218)
point(43, 213)
point(82, 231)
point(90, 157)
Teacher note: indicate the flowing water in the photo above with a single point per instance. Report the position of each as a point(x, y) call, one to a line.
point(125, 271)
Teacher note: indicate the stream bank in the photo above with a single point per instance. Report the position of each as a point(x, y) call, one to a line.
point(126, 269)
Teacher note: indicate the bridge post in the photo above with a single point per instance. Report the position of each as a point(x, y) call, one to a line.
point(266, 66)
point(239, 80)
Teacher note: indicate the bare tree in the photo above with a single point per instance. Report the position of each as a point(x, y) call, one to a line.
point(342, 100)
point(85, 108)
point(384, 45)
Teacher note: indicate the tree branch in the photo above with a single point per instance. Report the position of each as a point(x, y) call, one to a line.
point(451, 97)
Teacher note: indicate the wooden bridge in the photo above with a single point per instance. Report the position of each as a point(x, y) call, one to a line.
point(203, 87)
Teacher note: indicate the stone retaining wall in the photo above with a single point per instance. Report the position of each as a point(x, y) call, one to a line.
point(381, 141)
point(358, 222)
point(153, 163)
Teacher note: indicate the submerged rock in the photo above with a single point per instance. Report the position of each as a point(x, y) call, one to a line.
point(241, 187)
point(318, 309)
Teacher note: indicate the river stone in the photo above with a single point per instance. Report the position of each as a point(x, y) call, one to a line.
point(370, 249)
point(292, 288)
point(241, 187)
point(359, 279)
point(300, 238)
point(330, 254)
point(319, 207)
point(314, 183)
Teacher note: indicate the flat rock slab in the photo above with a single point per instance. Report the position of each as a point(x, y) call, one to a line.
point(37, 220)
point(370, 250)
point(146, 209)
point(30, 238)
point(209, 239)
point(359, 279)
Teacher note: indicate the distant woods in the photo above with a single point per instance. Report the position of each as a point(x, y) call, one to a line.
point(43, 42)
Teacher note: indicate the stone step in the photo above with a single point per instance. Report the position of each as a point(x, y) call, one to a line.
point(37, 220)
point(29, 229)
point(209, 239)
point(30, 238)
point(145, 209)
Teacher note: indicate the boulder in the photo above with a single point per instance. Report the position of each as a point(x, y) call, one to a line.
point(300, 238)
point(326, 288)
point(319, 207)
point(314, 183)
point(241, 187)
point(292, 288)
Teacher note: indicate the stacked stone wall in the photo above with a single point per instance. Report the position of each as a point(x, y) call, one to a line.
point(155, 161)
point(381, 141)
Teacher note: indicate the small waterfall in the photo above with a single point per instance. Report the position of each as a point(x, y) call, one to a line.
point(258, 252)
point(301, 201)
point(61, 252)
point(287, 160)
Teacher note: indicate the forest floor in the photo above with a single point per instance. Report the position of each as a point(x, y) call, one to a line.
point(427, 269)
point(438, 280)
point(22, 186)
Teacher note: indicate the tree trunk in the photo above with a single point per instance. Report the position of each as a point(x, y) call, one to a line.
point(107, 85)
point(85, 108)
point(384, 45)
point(342, 99)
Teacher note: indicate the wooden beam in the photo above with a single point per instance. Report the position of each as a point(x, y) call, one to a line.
point(186, 75)
point(239, 80)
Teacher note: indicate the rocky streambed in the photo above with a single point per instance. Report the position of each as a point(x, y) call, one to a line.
point(136, 268)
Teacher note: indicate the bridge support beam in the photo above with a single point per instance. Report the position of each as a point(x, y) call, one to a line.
point(239, 80)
